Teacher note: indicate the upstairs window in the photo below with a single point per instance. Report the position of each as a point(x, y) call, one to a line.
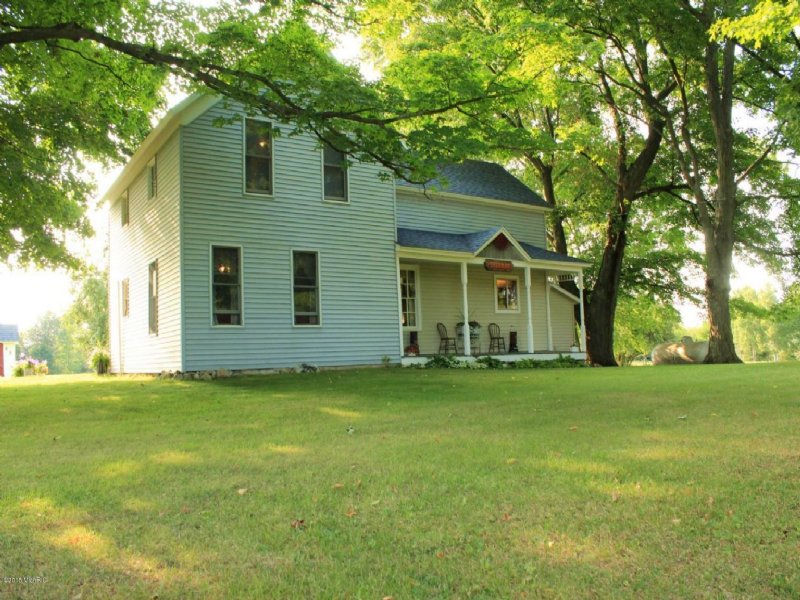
point(226, 285)
point(335, 174)
point(152, 294)
point(125, 297)
point(257, 157)
point(124, 209)
point(305, 289)
point(152, 178)
point(506, 298)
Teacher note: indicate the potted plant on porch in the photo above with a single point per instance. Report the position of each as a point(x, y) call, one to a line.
point(474, 326)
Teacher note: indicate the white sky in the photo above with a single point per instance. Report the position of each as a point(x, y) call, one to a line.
point(26, 295)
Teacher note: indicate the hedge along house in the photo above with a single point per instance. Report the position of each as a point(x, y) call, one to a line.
point(239, 246)
point(9, 339)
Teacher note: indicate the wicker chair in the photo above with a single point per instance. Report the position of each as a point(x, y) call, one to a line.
point(445, 342)
point(496, 341)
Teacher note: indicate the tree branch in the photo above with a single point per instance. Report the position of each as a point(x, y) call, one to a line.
point(746, 173)
point(208, 74)
point(658, 189)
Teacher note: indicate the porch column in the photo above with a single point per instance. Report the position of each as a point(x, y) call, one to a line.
point(547, 306)
point(583, 316)
point(400, 309)
point(465, 308)
point(530, 308)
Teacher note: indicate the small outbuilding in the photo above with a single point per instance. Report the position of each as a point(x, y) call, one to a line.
point(9, 338)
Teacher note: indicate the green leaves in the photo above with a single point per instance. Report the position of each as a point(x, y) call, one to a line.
point(62, 103)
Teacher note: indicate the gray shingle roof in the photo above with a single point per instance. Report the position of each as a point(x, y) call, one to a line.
point(9, 333)
point(469, 242)
point(482, 180)
point(437, 240)
point(537, 253)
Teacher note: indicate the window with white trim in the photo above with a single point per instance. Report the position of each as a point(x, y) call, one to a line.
point(305, 287)
point(334, 174)
point(257, 157)
point(152, 295)
point(226, 285)
point(408, 297)
point(506, 295)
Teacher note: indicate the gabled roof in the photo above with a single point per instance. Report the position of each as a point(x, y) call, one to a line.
point(472, 243)
point(182, 113)
point(480, 179)
point(9, 333)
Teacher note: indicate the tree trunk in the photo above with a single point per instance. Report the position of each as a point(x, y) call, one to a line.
point(602, 305)
point(558, 238)
point(719, 261)
point(720, 343)
point(556, 235)
point(719, 237)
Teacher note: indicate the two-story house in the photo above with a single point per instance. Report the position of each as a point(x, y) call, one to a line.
point(232, 246)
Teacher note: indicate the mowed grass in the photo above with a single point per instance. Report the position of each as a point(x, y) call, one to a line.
point(641, 482)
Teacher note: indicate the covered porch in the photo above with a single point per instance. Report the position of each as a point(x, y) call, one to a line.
point(487, 278)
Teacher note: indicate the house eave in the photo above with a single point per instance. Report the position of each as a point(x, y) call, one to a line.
point(410, 253)
point(504, 232)
point(475, 199)
point(565, 293)
point(181, 114)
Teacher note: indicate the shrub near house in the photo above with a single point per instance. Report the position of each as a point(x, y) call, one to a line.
point(31, 366)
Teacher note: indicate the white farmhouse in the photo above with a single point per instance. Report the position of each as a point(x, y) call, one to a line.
point(234, 247)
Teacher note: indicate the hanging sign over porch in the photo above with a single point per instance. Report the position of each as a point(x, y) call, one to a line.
point(498, 265)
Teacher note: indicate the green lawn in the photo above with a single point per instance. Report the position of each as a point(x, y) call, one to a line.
point(640, 482)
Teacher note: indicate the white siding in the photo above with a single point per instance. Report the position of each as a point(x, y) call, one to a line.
point(9, 357)
point(152, 234)
point(464, 216)
point(562, 311)
point(358, 277)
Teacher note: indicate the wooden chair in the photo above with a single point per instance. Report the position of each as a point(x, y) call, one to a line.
point(496, 341)
point(445, 342)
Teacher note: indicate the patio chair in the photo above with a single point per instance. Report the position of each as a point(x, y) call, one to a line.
point(496, 341)
point(445, 342)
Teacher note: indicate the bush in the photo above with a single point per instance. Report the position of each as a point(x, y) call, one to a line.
point(440, 361)
point(100, 361)
point(490, 362)
point(36, 367)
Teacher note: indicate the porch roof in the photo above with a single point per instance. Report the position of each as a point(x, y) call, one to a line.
point(9, 333)
point(471, 243)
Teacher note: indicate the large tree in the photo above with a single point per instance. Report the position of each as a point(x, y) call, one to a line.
point(734, 190)
point(589, 97)
point(79, 81)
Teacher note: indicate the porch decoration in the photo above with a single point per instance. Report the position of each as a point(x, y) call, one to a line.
point(503, 266)
point(474, 334)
